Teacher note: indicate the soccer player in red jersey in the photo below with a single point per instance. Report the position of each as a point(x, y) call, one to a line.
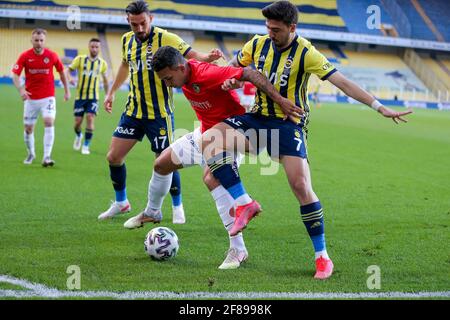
point(201, 83)
point(248, 95)
point(39, 92)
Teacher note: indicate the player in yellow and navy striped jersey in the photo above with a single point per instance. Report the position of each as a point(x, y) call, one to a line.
point(91, 69)
point(149, 107)
point(287, 60)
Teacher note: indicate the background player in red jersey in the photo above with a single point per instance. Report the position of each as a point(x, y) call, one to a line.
point(39, 92)
point(201, 83)
point(247, 95)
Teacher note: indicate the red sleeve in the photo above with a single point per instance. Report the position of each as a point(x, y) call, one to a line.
point(220, 74)
point(58, 64)
point(19, 65)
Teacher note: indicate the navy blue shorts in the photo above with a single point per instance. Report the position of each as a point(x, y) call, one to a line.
point(85, 106)
point(158, 131)
point(280, 137)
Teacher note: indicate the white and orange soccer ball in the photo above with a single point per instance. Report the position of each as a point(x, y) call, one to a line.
point(161, 243)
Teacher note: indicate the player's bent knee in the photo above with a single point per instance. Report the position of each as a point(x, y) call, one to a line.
point(49, 122)
point(210, 181)
point(29, 129)
point(113, 159)
point(162, 167)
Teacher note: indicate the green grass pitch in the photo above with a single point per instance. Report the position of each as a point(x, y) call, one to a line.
point(385, 191)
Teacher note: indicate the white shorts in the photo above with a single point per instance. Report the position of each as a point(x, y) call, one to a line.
point(32, 108)
point(188, 151)
point(248, 100)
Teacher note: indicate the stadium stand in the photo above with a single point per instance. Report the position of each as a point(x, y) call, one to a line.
point(351, 15)
point(440, 69)
point(401, 74)
point(419, 27)
point(438, 11)
point(316, 14)
point(115, 48)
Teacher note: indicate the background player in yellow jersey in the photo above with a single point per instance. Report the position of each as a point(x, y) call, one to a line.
point(288, 60)
point(90, 68)
point(149, 109)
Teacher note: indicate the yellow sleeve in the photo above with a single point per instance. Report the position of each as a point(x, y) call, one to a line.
point(75, 63)
point(172, 40)
point(104, 67)
point(318, 64)
point(245, 56)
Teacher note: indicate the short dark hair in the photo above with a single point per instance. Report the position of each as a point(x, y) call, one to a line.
point(167, 56)
point(94, 40)
point(137, 7)
point(39, 31)
point(281, 11)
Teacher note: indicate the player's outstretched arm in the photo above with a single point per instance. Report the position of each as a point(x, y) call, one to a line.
point(351, 89)
point(62, 75)
point(262, 83)
point(213, 55)
point(121, 76)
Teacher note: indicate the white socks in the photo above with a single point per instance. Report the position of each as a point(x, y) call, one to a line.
point(49, 139)
point(225, 203)
point(243, 200)
point(29, 142)
point(158, 188)
point(322, 253)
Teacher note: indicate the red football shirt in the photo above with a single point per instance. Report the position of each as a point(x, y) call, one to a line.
point(249, 89)
point(203, 90)
point(39, 80)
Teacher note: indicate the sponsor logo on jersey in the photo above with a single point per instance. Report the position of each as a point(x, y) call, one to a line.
point(326, 66)
point(288, 64)
point(196, 88)
point(200, 105)
point(180, 47)
point(39, 71)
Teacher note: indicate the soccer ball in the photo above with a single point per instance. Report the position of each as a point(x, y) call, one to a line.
point(161, 243)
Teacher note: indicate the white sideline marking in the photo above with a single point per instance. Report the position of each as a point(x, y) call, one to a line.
point(42, 291)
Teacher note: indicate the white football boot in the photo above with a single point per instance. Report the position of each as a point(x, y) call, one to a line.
point(29, 159)
point(234, 259)
point(114, 210)
point(77, 142)
point(139, 220)
point(85, 150)
point(178, 214)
